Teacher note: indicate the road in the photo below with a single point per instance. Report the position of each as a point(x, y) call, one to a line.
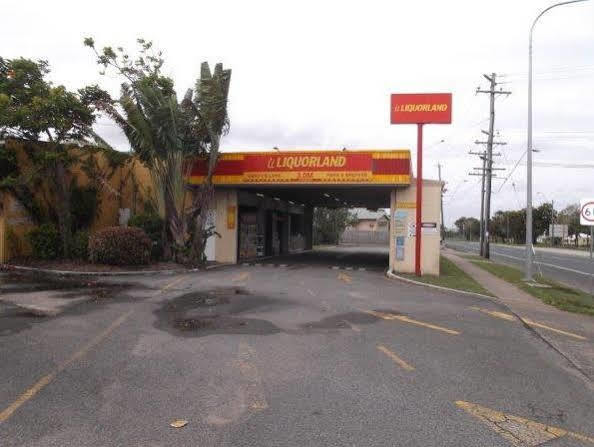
point(564, 265)
point(295, 353)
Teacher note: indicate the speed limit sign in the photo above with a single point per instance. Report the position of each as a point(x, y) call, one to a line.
point(587, 212)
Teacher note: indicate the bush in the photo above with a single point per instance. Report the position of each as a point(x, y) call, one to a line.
point(152, 225)
point(45, 242)
point(80, 245)
point(120, 246)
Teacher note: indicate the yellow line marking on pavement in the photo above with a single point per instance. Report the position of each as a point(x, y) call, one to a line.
point(519, 431)
point(352, 326)
point(172, 283)
point(48, 378)
point(250, 374)
point(559, 331)
point(495, 313)
point(529, 322)
point(45, 380)
point(241, 277)
point(388, 316)
point(344, 277)
point(395, 358)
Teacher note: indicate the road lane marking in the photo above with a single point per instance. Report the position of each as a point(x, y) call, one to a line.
point(254, 394)
point(395, 358)
point(528, 321)
point(352, 326)
point(558, 331)
point(344, 277)
point(241, 277)
point(519, 431)
point(494, 313)
point(45, 380)
point(311, 292)
point(545, 264)
point(48, 378)
point(388, 316)
point(172, 283)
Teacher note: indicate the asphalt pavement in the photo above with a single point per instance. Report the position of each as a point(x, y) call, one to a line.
point(310, 350)
point(571, 267)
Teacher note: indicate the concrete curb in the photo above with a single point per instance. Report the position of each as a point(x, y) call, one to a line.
point(8, 267)
point(391, 275)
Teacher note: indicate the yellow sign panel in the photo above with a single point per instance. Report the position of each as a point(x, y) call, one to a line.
point(231, 217)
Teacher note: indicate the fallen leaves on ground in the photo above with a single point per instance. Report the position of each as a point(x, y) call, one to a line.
point(179, 423)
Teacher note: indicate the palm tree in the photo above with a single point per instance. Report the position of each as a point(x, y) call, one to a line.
point(209, 109)
point(167, 136)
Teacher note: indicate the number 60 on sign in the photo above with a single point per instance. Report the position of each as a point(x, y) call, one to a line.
point(587, 212)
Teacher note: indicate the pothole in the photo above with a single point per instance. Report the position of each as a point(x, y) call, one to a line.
point(225, 309)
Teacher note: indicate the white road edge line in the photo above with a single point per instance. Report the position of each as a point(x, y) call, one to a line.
point(545, 264)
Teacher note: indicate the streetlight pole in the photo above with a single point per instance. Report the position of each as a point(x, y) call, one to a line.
point(529, 260)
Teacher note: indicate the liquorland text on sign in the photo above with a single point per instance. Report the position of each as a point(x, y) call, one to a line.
point(587, 212)
point(421, 108)
point(311, 167)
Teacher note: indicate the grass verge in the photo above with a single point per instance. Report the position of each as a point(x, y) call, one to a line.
point(450, 276)
point(558, 295)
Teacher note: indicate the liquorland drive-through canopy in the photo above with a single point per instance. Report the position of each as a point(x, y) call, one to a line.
point(264, 200)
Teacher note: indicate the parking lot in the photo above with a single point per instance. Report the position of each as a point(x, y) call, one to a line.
point(317, 349)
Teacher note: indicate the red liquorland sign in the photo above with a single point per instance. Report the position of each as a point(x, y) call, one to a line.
point(421, 108)
point(308, 167)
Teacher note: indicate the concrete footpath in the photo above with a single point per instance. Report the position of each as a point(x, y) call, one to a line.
point(570, 334)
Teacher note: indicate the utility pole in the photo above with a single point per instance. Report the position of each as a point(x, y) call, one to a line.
point(483, 157)
point(489, 168)
point(482, 220)
point(552, 223)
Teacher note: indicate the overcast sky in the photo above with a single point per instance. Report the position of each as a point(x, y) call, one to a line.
point(315, 74)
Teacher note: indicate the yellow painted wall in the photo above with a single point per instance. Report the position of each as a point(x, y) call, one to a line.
point(226, 246)
point(403, 200)
point(116, 191)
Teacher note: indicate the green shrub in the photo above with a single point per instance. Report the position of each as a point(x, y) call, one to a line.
point(152, 225)
point(45, 242)
point(120, 246)
point(80, 245)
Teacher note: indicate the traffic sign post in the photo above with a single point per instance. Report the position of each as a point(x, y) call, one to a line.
point(587, 219)
point(419, 109)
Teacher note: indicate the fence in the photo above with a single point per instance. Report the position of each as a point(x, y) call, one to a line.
point(360, 237)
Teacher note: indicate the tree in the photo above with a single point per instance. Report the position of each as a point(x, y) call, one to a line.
point(330, 223)
point(32, 108)
point(570, 216)
point(542, 218)
point(469, 227)
point(168, 135)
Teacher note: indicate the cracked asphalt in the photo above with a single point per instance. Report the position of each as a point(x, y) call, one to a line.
point(301, 355)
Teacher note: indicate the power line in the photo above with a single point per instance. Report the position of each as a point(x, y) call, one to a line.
point(512, 171)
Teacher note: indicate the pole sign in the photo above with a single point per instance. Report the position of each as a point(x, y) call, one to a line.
point(587, 212)
point(419, 109)
point(587, 218)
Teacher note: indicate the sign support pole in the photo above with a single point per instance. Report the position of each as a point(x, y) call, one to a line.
point(419, 208)
point(591, 250)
